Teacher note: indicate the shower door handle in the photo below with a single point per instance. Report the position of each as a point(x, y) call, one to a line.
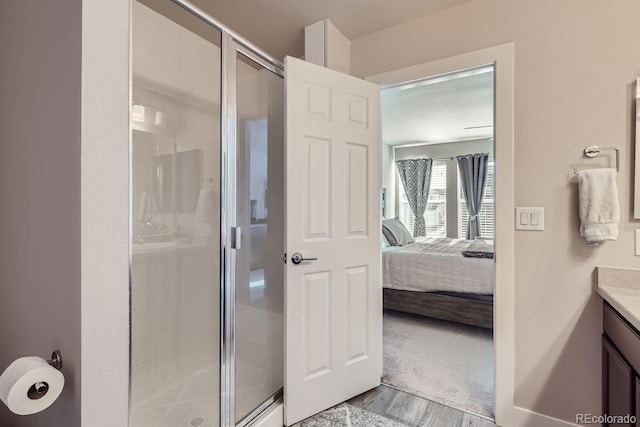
point(236, 237)
point(297, 258)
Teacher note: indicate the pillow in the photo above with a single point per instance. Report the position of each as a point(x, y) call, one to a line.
point(396, 232)
point(384, 241)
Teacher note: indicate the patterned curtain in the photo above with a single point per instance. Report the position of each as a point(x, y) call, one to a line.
point(416, 178)
point(473, 176)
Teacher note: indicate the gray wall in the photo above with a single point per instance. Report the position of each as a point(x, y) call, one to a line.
point(40, 47)
point(441, 151)
point(573, 88)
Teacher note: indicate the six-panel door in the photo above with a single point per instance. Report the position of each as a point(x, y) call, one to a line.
point(333, 304)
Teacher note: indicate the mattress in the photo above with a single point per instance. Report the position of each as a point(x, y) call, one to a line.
point(436, 264)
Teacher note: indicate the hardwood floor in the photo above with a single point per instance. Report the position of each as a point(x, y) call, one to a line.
point(412, 410)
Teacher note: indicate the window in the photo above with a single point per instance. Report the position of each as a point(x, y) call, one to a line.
point(486, 215)
point(436, 212)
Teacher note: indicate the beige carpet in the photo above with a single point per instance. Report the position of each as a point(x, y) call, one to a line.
point(441, 361)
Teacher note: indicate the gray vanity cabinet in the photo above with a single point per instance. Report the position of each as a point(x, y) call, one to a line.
point(618, 382)
point(620, 367)
point(637, 399)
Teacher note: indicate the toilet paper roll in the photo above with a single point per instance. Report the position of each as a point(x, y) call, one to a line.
point(29, 385)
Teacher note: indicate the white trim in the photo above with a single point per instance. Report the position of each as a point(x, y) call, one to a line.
point(636, 183)
point(503, 57)
point(525, 417)
point(273, 418)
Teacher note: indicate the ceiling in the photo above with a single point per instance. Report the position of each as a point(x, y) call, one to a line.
point(277, 26)
point(439, 110)
point(432, 111)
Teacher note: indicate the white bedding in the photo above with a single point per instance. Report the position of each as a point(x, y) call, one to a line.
point(436, 264)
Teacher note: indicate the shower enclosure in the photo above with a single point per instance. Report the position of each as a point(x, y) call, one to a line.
point(207, 221)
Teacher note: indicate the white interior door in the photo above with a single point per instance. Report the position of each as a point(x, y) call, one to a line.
point(333, 311)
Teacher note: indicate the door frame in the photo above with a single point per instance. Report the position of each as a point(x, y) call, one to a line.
point(502, 58)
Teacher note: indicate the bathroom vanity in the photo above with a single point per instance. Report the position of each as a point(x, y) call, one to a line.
point(620, 289)
point(620, 365)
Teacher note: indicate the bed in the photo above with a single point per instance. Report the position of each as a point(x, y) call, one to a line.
point(431, 277)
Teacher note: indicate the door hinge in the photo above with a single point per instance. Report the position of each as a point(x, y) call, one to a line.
point(284, 258)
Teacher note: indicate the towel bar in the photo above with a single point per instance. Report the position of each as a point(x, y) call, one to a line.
point(594, 150)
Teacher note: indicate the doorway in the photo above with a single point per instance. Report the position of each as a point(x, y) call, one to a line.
point(502, 58)
point(439, 280)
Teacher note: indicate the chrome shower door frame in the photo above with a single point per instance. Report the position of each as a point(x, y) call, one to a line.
point(231, 48)
point(228, 182)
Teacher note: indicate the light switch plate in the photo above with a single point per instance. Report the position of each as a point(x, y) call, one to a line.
point(638, 242)
point(530, 219)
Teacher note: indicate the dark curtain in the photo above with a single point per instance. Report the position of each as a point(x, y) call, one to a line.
point(416, 178)
point(473, 177)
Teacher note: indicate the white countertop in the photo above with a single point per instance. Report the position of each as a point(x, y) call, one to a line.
point(621, 288)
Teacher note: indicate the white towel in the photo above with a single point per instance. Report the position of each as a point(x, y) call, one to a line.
point(205, 206)
point(599, 208)
point(146, 207)
point(205, 211)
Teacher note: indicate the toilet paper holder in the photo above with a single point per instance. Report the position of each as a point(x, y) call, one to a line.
point(56, 360)
point(41, 388)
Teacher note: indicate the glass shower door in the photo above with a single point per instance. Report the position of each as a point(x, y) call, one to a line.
point(175, 207)
point(259, 291)
point(207, 167)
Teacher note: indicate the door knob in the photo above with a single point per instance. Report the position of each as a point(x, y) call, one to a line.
point(297, 258)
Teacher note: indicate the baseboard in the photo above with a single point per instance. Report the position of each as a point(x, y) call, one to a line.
point(526, 418)
point(273, 418)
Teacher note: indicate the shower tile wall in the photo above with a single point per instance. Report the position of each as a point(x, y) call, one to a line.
point(174, 328)
point(167, 55)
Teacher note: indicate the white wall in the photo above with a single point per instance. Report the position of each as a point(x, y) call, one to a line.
point(325, 45)
point(389, 179)
point(573, 86)
point(104, 204)
point(40, 97)
point(445, 150)
point(337, 47)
